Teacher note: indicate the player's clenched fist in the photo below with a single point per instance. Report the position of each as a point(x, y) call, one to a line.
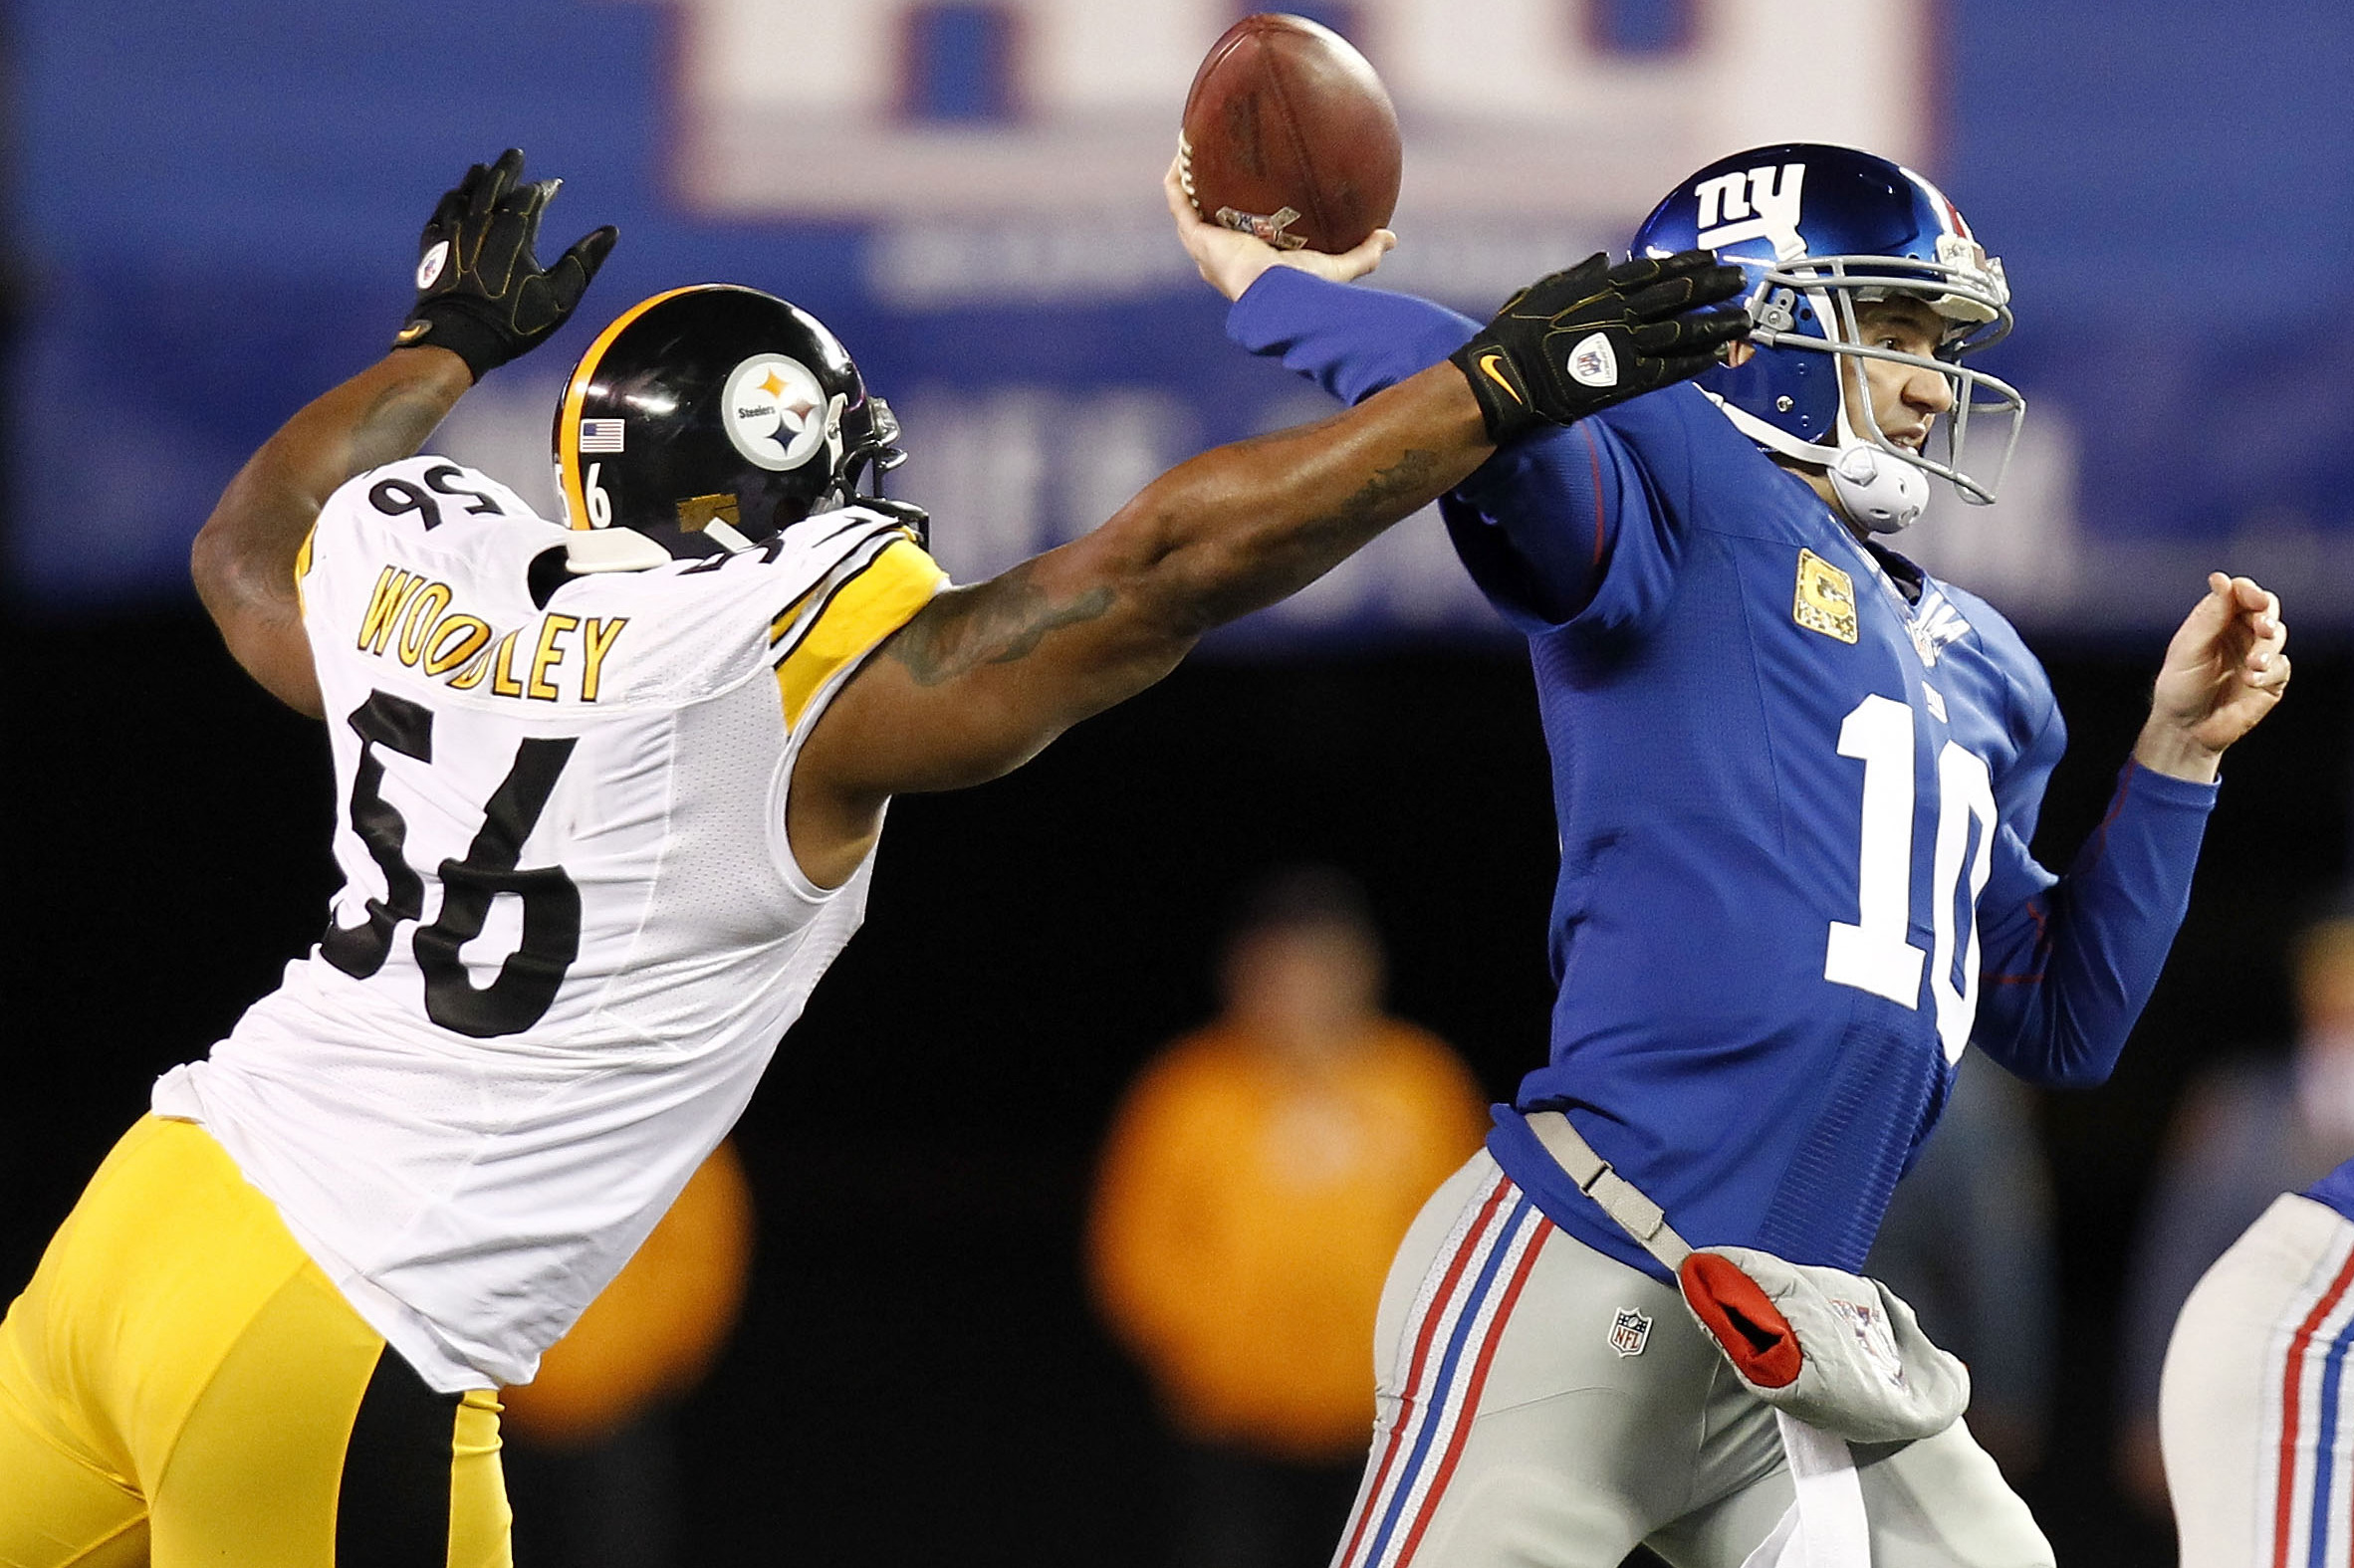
point(481, 293)
point(1597, 335)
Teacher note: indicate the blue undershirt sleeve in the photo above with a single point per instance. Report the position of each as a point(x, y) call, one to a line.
point(1533, 525)
point(2067, 963)
point(1350, 340)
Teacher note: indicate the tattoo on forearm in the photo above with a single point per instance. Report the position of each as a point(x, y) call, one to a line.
point(1308, 549)
point(998, 622)
point(1004, 620)
point(1409, 475)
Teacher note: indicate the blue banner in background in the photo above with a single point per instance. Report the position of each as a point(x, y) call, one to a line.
point(217, 204)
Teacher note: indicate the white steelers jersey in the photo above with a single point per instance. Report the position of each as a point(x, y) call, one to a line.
point(571, 930)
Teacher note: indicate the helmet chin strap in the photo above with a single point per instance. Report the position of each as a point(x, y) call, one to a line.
point(1882, 493)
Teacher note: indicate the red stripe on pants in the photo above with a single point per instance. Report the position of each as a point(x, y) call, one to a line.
point(1471, 1393)
point(2285, 1494)
point(1420, 1358)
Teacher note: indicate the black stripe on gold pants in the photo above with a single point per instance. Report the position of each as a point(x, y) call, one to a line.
point(180, 1384)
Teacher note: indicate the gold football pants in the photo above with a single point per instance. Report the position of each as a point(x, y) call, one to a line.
point(180, 1384)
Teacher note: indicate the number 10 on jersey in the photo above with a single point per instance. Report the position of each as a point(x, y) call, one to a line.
point(1873, 954)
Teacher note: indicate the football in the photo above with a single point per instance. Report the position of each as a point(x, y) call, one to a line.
point(1289, 136)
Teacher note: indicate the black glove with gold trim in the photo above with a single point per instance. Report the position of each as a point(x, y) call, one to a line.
point(1597, 335)
point(481, 293)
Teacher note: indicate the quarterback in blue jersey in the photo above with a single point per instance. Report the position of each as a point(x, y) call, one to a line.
point(1796, 781)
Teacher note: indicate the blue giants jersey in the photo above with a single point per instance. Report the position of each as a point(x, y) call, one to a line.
point(2336, 1190)
point(1795, 780)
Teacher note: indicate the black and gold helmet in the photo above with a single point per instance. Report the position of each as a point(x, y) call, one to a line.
point(716, 404)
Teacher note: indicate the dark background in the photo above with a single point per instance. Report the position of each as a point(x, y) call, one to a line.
point(918, 1377)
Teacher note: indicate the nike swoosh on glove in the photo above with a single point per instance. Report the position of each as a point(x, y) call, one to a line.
point(1597, 335)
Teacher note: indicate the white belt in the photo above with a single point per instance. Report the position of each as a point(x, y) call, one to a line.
point(1620, 1199)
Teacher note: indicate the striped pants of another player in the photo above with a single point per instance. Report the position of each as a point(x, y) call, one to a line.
point(1541, 1404)
point(2256, 1406)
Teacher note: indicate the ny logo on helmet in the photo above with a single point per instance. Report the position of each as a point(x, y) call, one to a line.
point(1760, 204)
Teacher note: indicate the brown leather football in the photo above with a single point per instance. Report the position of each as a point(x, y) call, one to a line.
point(1289, 134)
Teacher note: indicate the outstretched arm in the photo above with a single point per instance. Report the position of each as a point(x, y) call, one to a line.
point(2069, 964)
point(482, 298)
point(985, 677)
point(1535, 524)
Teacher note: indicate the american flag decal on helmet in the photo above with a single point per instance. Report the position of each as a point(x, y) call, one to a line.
point(601, 435)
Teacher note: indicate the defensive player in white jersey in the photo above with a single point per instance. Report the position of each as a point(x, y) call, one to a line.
point(607, 801)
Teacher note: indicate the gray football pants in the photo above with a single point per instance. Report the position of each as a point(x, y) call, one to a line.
point(1540, 1405)
point(2251, 1409)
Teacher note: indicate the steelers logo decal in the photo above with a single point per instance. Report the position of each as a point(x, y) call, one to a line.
point(774, 411)
point(430, 264)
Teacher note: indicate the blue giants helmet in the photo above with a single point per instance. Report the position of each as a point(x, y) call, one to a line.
point(1818, 230)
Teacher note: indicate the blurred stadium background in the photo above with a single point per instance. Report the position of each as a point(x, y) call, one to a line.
point(212, 212)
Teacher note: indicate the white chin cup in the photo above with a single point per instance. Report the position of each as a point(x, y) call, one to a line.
point(1883, 492)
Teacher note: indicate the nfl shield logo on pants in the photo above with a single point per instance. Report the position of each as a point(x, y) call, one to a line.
point(1628, 1331)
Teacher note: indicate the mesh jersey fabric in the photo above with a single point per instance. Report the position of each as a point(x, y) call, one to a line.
point(570, 931)
point(1795, 780)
